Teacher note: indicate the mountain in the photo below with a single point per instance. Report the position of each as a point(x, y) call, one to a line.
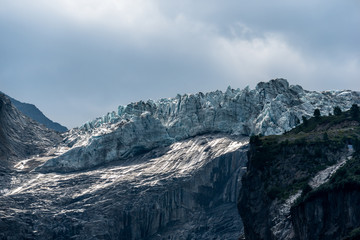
point(34, 113)
point(304, 184)
point(271, 108)
point(169, 169)
point(20, 138)
point(187, 190)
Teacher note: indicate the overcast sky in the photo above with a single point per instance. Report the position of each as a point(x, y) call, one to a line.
point(79, 59)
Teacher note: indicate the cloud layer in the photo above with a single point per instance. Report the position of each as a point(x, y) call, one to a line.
point(78, 59)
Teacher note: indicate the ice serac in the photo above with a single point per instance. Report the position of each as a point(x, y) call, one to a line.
point(271, 108)
point(187, 190)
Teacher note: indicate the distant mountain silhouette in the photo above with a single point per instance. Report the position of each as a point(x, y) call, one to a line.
point(34, 113)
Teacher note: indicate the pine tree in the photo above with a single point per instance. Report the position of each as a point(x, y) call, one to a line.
point(317, 113)
point(325, 137)
point(305, 121)
point(337, 111)
point(355, 112)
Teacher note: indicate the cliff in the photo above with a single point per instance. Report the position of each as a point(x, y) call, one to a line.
point(334, 214)
point(20, 136)
point(292, 189)
point(187, 190)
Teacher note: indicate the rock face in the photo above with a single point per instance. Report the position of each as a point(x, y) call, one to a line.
point(330, 216)
point(271, 108)
point(187, 190)
point(20, 136)
point(266, 216)
point(304, 184)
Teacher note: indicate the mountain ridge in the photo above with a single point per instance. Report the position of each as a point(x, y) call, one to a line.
point(271, 108)
point(169, 169)
point(20, 135)
point(35, 113)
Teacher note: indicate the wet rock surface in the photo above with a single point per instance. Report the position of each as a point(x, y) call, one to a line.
point(329, 216)
point(301, 186)
point(187, 190)
point(269, 217)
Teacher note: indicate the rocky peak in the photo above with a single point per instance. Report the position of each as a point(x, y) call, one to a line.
point(271, 108)
point(21, 136)
point(31, 111)
point(3, 101)
point(273, 87)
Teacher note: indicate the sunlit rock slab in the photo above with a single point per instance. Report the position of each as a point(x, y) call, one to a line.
point(188, 189)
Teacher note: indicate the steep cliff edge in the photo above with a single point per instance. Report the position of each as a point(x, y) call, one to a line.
point(187, 190)
point(289, 191)
point(333, 214)
point(331, 211)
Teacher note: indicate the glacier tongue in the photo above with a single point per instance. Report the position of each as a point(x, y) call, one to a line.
point(271, 108)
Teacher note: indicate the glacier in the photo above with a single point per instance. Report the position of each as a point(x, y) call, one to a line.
point(271, 108)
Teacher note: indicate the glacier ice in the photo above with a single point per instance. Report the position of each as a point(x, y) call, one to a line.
point(271, 108)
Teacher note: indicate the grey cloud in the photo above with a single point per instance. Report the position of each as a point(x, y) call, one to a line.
point(327, 25)
point(84, 70)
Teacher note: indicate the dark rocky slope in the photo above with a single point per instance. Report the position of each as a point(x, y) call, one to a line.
point(333, 214)
point(287, 193)
point(34, 113)
point(20, 136)
point(185, 191)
